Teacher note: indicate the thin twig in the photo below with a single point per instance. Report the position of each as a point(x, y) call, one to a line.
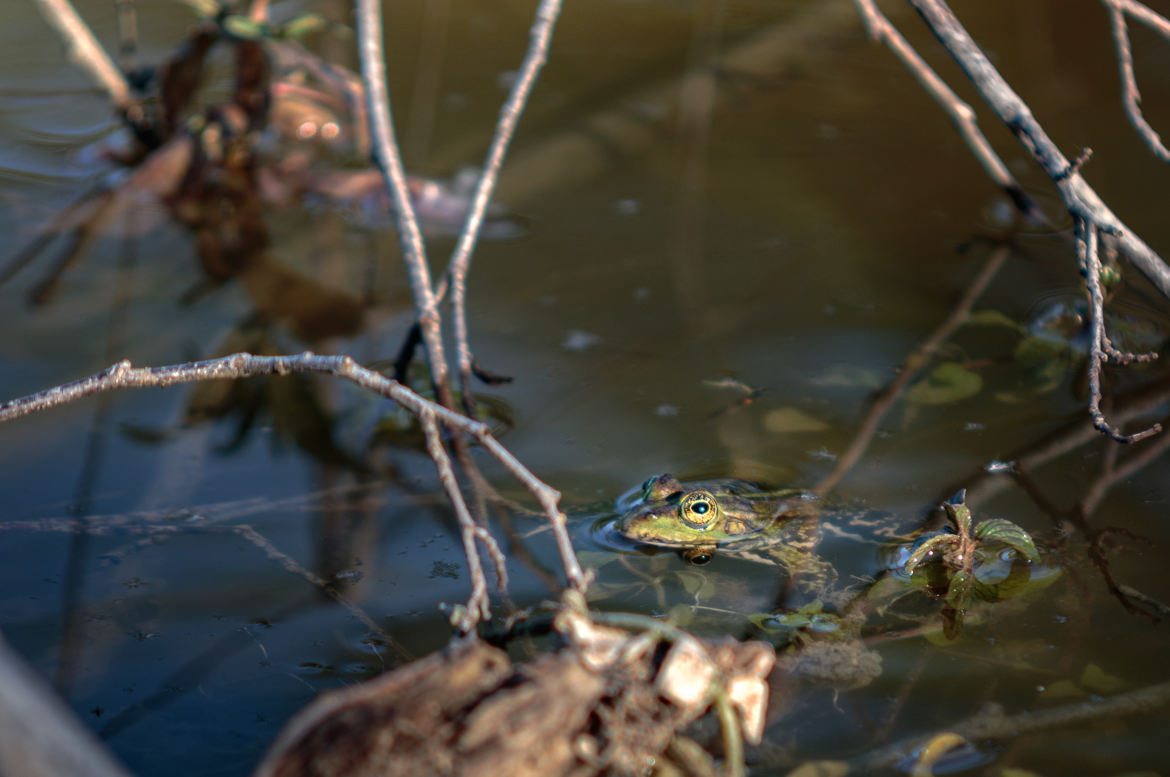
point(478, 606)
point(83, 48)
point(962, 115)
point(389, 161)
point(1130, 95)
point(1121, 472)
point(460, 262)
point(1100, 351)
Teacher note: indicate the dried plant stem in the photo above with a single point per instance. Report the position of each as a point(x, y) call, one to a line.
point(1101, 349)
point(83, 48)
point(243, 365)
point(478, 606)
point(1130, 95)
point(389, 161)
point(881, 29)
point(539, 39)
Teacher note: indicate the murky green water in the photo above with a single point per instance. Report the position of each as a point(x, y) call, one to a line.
point(802, 239)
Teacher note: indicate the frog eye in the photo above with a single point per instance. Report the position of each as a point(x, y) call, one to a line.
point(698, 556)
point(698, 509)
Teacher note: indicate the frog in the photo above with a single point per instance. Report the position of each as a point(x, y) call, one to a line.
point(733, 517)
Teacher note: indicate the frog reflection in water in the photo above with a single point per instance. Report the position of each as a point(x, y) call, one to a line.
point(733, 517)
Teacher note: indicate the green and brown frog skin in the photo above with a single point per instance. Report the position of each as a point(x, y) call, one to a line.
point(733, 517)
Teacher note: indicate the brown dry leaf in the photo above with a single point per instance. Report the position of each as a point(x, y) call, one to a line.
point(749, 696)
point(687, 674)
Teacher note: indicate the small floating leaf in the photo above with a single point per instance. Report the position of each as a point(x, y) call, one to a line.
point(1096, 679)
point(789, 419)
point(848, 376)
point(999, 530)
point(1036, 351)
point(948, 382)
point(991, 318)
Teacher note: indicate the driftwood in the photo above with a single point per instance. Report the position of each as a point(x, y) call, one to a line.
point(610, 702)
point(39, 735)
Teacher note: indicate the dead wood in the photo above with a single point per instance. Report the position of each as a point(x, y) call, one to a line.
point(39, 735)
point(471, 711)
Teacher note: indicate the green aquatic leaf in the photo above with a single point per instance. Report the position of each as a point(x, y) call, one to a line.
point(1037, 350)
point(774, 624)
point(985, 592)
point(1098, 680)
point(790, 419)
point(948, 382)
point(991, 318)
point(959, 591)
point(1000, 530)
point(243, 28)
point(935, 545)
point(890, 588)
point(302, 25)
point(848, 376)
point(959, 513)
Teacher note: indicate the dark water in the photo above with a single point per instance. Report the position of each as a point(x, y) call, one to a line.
point(801, 239)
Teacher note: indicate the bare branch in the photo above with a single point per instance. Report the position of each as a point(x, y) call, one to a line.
point(1130, 95)
point(1078, 196)
point(478, 606)
point(1100, 350)
point(84, 49)
point(460, 262)
point(881, 29)
point(389, 160)
point(39, 734)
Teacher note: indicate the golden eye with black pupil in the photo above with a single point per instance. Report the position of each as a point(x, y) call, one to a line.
point(698, 556)
point(698, 509)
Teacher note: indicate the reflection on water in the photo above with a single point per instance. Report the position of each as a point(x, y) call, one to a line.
point(194, 565)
